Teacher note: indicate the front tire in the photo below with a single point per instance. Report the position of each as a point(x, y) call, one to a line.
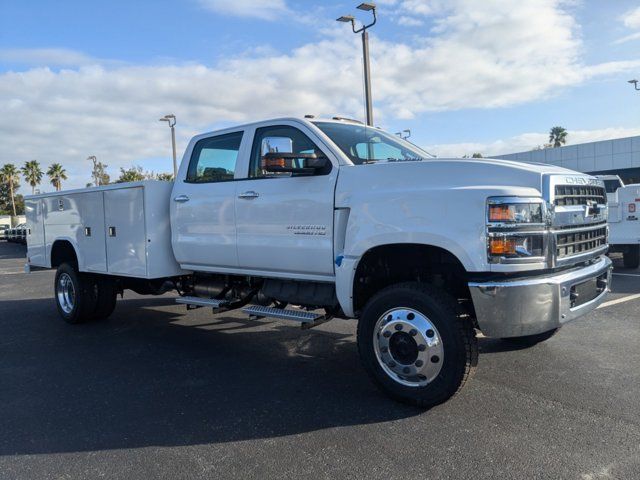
point(75, 294)
point(415, 345)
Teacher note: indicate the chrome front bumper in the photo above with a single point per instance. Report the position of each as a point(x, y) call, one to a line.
point(535, 305)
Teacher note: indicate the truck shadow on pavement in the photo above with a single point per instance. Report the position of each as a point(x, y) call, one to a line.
point(153, 376)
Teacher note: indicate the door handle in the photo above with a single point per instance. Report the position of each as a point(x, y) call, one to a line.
point(181, 199)
point(249, 194)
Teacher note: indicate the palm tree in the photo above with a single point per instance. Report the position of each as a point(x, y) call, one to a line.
point(56, 174)
point(558, 136)
point(32, 174)
point(10, 175)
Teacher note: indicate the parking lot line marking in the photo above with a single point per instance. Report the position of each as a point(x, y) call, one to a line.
point(628, 298)
point(627, 274)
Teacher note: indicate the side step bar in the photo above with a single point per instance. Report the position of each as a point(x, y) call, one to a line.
point(306, 319)
point(201, 302)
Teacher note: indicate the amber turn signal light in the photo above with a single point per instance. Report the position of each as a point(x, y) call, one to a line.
point(502, 246)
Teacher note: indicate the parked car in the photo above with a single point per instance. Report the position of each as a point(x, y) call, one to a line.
point(340, 220)
point(11, 234)
point(4, 229)
point(21, 233)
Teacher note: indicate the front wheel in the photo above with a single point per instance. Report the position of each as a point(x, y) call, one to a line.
point(415, 345)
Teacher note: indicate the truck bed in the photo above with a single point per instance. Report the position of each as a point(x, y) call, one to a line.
point(120, 229)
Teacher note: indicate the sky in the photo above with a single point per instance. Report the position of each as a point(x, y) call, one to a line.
point(80, 78)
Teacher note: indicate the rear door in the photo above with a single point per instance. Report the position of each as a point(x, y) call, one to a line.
point(203, 218)
point(284, 222)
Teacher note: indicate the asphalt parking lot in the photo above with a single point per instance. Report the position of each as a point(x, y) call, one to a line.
point(156, 392)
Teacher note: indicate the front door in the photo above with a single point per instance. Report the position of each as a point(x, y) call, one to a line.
point(285, 223)
point(202, 205)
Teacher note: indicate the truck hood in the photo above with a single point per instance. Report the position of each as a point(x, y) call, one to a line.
point(496, 176)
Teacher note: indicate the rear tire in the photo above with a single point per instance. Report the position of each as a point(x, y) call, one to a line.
point(631, 258)
point(414, 344)
point(530, 340)
point(75, 294)
point(107, 294)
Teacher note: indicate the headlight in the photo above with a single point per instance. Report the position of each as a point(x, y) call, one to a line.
point(516, 230)
point(504, 211)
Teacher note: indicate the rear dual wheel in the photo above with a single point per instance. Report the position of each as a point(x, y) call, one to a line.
point(415, 345)
point(81, 297)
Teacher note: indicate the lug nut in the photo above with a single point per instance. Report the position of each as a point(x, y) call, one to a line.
point(422, 347)
point(399, 326)
point(430, 333)
point(386, 334)
point(411, 316)
point(418, 363)
point(406, 370)
point(435, 359)
point(413, 332)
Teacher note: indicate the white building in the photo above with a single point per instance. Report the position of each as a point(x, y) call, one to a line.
point(620, 157)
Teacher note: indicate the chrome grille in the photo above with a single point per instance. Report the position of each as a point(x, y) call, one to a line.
point(581, 240)
point(579, 195)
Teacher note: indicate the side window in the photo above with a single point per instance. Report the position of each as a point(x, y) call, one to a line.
point(214, 159)
point(300, 143)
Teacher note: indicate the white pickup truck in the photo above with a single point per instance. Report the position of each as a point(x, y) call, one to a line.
point(308, 219)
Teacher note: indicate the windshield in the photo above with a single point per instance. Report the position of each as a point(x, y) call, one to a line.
point(363, 144)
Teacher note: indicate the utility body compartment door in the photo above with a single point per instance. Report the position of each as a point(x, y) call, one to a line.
point(125, 231)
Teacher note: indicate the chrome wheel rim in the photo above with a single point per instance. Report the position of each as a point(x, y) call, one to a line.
point(408, 347)
point(66, 293)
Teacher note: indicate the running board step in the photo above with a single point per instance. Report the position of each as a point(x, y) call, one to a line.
point(202, 302)
point(307, 319)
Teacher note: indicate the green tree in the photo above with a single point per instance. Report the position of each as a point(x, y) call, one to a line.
point(11, 178)
point(32, 173)
point(477, 155)
point(165, 177)
point(56, 174)
point(99, 174)
point(558, 136)
point(132, 174)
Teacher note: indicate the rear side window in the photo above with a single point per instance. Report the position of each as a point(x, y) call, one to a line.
point(214, 159)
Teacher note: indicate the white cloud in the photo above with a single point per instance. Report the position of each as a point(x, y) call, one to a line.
point(480, 55)
point(527, 141)
point(631, 19)
point(53, 57)
point(407, 21)
point(263, 9)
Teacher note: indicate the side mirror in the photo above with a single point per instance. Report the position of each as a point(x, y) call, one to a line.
point(295, 163)
point(276, 155)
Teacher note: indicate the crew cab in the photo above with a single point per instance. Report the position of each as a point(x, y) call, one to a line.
point(309, 219)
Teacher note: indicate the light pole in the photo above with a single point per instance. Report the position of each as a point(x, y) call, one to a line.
point(93, 172)
point(171, 121)
point(367, 7)
point(635, 84)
